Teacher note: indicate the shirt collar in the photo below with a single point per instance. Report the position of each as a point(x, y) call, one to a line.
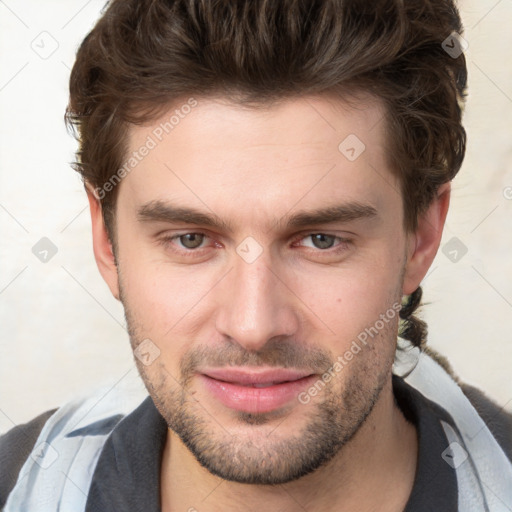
point(127, 475)
point(435, 482)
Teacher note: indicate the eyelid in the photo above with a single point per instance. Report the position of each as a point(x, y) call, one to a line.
point(169, 240)
point(307, 234)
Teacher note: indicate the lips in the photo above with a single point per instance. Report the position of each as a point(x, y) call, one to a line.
point(257, 390)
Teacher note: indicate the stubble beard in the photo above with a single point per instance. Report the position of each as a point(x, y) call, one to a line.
point(257, 457)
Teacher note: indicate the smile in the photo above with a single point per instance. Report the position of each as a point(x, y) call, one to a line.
point(257, 391)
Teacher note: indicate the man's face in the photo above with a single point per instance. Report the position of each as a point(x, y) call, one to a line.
point(249, 313)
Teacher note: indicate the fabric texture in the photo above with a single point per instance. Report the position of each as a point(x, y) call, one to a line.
point(104, 453)
point(135, 483)
point(484, 473)
point(15, 446)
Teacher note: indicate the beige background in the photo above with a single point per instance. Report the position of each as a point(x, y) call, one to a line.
point(62, 332)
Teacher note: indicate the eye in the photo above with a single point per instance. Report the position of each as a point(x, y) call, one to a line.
point(187, 241)
point(191, 240)
point(323, 240)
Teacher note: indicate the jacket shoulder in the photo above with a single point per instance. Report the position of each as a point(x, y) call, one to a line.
point(15, 446)
point(497, 419)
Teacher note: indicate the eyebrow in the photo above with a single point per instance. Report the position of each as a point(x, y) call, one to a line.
point(160, 211)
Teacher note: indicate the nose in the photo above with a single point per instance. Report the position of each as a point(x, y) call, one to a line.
point(256, 304)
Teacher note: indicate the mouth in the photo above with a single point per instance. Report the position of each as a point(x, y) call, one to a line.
point(258, 390)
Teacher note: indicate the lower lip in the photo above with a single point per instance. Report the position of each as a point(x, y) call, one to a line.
point(256, 400)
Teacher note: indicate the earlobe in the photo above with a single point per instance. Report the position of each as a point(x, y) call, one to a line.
point(424, 242)
point(102, 246)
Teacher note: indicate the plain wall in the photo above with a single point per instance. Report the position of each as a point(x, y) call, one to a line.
point(64, 334)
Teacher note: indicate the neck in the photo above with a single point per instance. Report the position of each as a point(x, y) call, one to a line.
point(374, 471)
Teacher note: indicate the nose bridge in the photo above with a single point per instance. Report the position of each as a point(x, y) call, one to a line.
point(256, 306)
point(255, 285)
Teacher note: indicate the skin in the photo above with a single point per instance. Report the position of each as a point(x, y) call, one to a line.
point(296, 305)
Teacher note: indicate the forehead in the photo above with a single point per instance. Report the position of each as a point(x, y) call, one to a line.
point(307, 152)
point(289, 122)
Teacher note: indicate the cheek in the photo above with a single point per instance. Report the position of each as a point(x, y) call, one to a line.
point(163, 299)
point(350, 298)
point(169, 302)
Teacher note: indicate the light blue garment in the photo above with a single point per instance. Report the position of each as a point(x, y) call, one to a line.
point(57, 474)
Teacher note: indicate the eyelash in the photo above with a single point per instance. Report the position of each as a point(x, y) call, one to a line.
point(342, 245)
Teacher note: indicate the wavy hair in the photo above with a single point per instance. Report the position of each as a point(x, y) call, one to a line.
point(144, 55)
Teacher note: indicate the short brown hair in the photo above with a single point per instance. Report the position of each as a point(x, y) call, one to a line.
point(143, 55)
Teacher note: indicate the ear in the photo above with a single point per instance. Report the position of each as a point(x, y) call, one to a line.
point(424, 242)
point(102, 246)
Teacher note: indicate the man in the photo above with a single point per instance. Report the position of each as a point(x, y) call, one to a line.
point(268, 184)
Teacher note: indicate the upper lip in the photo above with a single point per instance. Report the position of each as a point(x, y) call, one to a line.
point(259, 375)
